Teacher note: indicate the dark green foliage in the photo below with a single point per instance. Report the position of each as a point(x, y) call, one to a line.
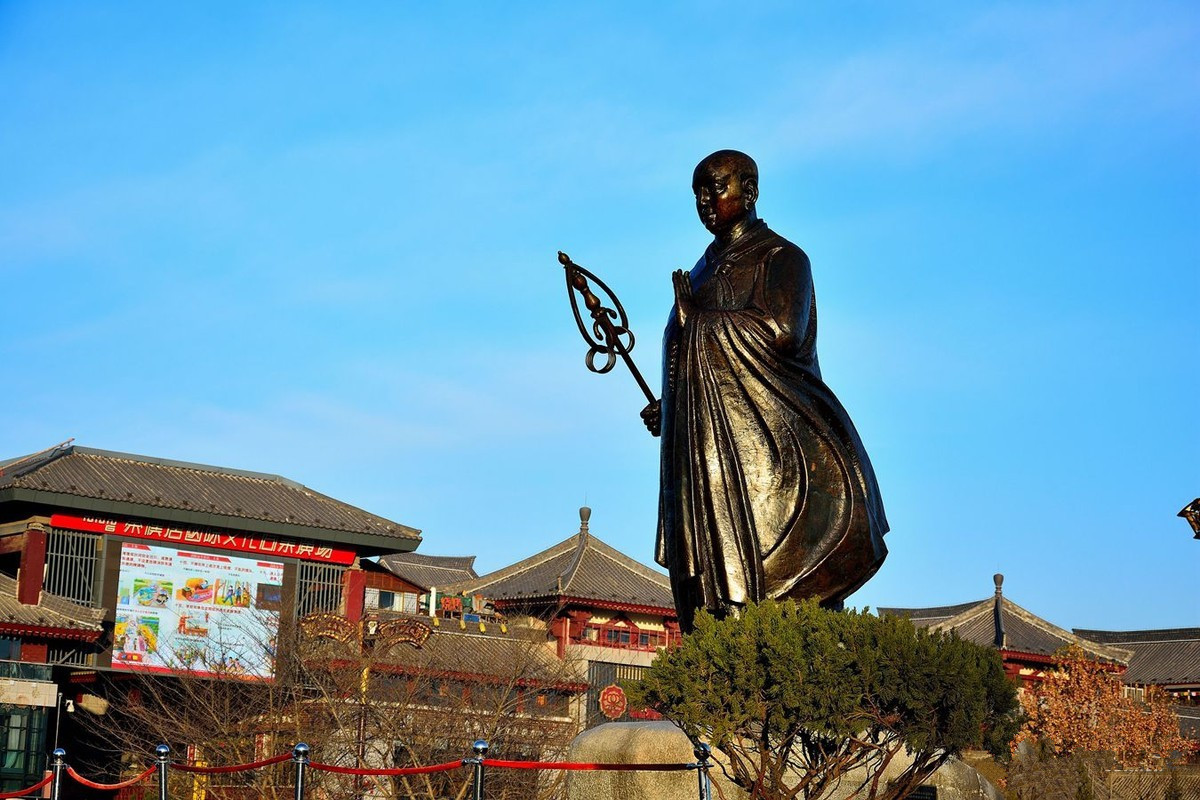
point(796, 697)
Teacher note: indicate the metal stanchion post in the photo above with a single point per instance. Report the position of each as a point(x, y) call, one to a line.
point(703, 752)
point(481, 748)
point(58, 767)
point(300, 757)
point(162, 754)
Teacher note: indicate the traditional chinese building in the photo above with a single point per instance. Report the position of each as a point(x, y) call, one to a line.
point(441, 681)
point(418, 576)
point(599, 608)
point(1027, 643)
point(1166, 658)
point(112, 563)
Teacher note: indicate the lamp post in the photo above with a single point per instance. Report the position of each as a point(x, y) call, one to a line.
point(370, 638)
point(367, 631)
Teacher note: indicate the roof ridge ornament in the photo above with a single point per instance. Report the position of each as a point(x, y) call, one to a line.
point(32, 461)
point(998, 611)
point(584, 538)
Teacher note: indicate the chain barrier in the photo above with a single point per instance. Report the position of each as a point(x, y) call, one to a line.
point(479, 763)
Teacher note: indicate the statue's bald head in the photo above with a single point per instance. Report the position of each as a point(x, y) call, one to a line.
point(735, 161)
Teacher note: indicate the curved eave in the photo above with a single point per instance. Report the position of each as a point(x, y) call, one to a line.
point(1043, 658)
point(566, 599)
point(1169, 683)
point(367, 543)
point(617, 605)
point(49, 632)
point(91, 676)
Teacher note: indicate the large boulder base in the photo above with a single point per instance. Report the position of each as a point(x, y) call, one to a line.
point(663, 743)
point(632, 743)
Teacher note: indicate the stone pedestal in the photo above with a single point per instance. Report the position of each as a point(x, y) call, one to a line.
point(632, 743)
point(663, 743)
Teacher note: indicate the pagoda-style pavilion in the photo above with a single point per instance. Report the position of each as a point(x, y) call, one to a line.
point(1027, 643)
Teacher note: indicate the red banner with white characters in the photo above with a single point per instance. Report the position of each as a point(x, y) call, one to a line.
point(218, 539)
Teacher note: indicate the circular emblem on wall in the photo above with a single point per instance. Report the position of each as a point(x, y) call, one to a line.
point(613, 702)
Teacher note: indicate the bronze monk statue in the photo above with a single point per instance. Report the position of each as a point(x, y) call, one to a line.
point(766, 490)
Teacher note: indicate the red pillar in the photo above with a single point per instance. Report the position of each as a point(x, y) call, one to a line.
point(561, 628)
point(354, 593)
point(673, 633)
point(33, 567)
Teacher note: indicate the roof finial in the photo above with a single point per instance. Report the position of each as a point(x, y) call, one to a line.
point(1001, 641)
point(29, 463)
point(582, 539)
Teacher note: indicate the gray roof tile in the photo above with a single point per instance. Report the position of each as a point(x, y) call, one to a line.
point(52, 611)
point(513, 656)
point(1023, 631)
point(923, 617)
point(139, 480)
point(581, 566)
point(1160, 657)
point(429, 571)
point(1189, 720)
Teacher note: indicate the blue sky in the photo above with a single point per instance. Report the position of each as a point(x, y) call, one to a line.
point(320, 241)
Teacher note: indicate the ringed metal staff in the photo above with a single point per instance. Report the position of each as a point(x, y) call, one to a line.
point(609, 333)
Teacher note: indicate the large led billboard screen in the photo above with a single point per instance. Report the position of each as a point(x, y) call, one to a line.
point(204, 613)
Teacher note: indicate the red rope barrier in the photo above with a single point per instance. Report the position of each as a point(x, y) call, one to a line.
point(35, 788)
point(445, 767)
point(449, 765)
point(573, 765)
point(501, 764)
point(110, 786)
point(235, 768)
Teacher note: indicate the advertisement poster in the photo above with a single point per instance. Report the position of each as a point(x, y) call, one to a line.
point(204, 613)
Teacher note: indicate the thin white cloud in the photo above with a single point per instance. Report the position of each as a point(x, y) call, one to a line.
point(1008, 72)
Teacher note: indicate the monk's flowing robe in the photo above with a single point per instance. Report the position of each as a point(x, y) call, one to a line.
point(766, 489)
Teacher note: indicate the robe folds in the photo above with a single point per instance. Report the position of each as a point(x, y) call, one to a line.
point(766, 490)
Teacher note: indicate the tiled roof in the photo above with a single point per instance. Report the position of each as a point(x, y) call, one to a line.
point(133, 485)
point(1160, 657)
point(1134, 637)
point(509, 657)
point(924, 617)
point(52, 611)
point(429, 571)
point(1023, 631)
point(581, 567)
